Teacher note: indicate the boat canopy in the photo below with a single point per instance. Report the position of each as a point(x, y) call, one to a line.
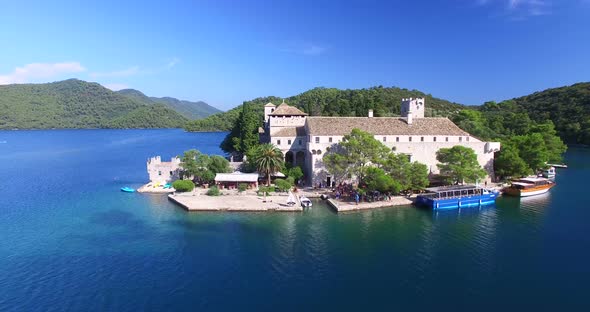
point(454, 191)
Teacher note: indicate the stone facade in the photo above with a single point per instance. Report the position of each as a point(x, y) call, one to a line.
point(304, 140)
point(163, 171)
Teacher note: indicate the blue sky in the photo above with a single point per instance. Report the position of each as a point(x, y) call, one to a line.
point(226, 52)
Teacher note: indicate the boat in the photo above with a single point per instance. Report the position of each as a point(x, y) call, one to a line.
point(305, 202)
point(456, 196)
point(127, 189)
point(529, 187)
point(549, 173)
point(291, 199)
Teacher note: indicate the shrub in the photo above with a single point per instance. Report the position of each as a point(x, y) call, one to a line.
point(282, 185)
point(183, 185)
point(213, 191)
point(242, 187)
point(265, 189)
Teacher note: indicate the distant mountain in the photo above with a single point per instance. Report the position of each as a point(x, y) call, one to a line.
point(334, 102)
point(568, 107)
point(75, 103)
point(190, 110)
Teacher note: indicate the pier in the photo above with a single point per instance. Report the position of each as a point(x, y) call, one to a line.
point(250, 202)
point(345, 206)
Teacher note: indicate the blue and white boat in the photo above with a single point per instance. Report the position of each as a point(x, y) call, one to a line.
point(456, 196)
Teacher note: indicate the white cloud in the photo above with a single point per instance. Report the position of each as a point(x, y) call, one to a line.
point(520, 9)
point(35, 71)
point(116, 86)
point(172, 63)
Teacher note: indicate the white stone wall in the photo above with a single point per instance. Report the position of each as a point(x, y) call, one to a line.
point(423, 152)
point(286, 144)
point(163, 172)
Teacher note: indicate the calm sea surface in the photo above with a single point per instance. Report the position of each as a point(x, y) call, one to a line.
point(70, 240)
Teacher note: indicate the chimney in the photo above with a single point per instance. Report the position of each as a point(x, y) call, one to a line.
point(370, 113)
point(410, 118)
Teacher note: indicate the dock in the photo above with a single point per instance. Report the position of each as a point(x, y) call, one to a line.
point(345, 206)
point(197, 201)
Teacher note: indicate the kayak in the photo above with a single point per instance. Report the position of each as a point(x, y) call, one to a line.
point(127, 189)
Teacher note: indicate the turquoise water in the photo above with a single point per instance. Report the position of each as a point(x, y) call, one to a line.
point(70, 240)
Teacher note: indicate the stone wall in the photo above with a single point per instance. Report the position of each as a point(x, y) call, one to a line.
point(163, 171)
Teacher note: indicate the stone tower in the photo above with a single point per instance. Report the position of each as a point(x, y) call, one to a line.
point(413, 106)
point(268, 109)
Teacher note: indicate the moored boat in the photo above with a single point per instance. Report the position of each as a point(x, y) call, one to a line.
point(127, 189)
point(291, 199)
point(529, 187)
point(456, 196)
point(305, 202)
point(549, 173)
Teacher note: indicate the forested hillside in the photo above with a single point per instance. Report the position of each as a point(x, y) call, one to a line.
point(78, 104)
point(334, 102)
point(190, 110)
point(568, 107)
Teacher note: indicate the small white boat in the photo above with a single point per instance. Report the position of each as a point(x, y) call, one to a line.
point(291, 199)
point(305, 202)
point(549, 173)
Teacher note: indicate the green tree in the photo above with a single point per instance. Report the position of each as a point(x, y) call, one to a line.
point(268, 159)
point(337, 164)
point(377, 180)
point(507, 162)
point(359, 150)
point(188, 162)
point(418, 176)
point(460, 164)
point(532, 150)
point(296, 173)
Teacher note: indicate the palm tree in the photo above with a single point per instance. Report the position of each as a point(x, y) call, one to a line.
point(268, 159)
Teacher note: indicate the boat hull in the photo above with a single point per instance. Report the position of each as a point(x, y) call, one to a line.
point(526, 193)
point(456, 203)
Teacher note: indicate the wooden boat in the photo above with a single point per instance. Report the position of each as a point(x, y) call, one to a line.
point(305, 202)
point(456, 196)
point(529, 187)
point(127, 189)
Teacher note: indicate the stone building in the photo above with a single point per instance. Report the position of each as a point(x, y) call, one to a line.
point(304, 139)
point(163, 171)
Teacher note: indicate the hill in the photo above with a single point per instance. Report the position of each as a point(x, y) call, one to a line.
point(190, 110)
point(568, 107)
point(334, 102)
point(75, 103)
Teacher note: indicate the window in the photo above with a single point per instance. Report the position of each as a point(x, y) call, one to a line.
point(421, 139)
point(460, 139)
point(317, 139)
point(319, 151)
point(159, 172)
point(397, 139)
point(384, 139)
point(434, 139)
point(329, 140)
point(289, 142)
point(467, 138)
point(447, 139)
point(278, 142)
point(299, 141)
point(171, 173)
point(410, 139)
